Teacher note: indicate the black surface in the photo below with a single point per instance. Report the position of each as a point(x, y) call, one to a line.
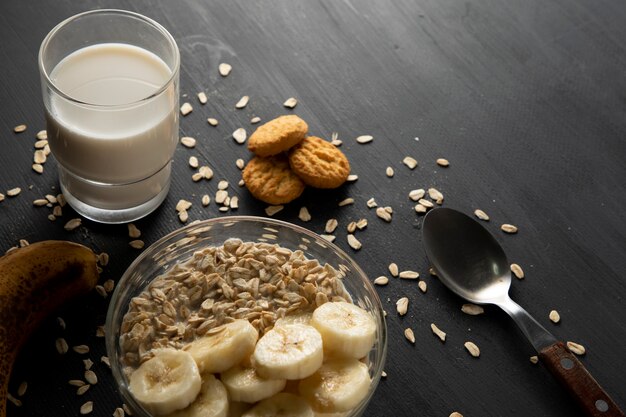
point(526, 98)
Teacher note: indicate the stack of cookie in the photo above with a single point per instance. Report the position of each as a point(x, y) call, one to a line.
point(287, 160)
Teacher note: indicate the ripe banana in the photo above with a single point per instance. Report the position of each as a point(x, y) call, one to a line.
point(347, 330)
point(291, 351)
point(281, 405)
point(167, 382)
point(339, 385)
point(225, 347)
point(211, 402)
point(34, 281)
point(301, 318)
point(244, 384)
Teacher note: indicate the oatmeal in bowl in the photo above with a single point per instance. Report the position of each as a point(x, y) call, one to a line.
point(245, 316)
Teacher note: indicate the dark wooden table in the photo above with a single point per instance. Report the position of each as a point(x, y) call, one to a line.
point(527, 101)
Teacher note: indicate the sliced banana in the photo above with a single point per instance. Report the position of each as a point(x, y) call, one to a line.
point(347, 330)
point(244, 384)
point(167, 382)
point(224, 347)
point(339, 385)
point(291, 351)
point(211, 402)
point(281, 405)
point(300, 318)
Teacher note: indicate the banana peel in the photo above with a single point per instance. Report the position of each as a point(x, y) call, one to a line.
point(35, 281)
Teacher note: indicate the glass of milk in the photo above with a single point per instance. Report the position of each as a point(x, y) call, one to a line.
point(110, 90)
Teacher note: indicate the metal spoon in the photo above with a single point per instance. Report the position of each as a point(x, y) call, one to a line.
point(470, 262)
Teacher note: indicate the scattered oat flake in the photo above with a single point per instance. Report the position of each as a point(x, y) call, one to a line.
point(409, 275)
point(352, 178)
point(361, 224)
point(183, 216)
point(16, 402)
point(243, 102)
point(61, 346)
point(109, 285)
point(381, 280)
point(534, 359)
point(351, 227)
point(133, 232)
point(1, 197)
point(136, 244)
point(40, 202)
point(39, 157)
point(508, 228)
point(364, 139)
point(101, 291)
point(290, 103)
point(271, 210)
point(119, 412)
point(438, 332)
point(383, 214)
point(304, 214)
point(422, 286)
point(435, 195)
point(40, 144)
point(57, 211)
point(472, 309)
point(61, 323)
point(371, 203)
point(206, 172)
point(225, 69)
point(402, 305)
point(389, 172)
point(388, 209)
point(455, 414)
point(206, 200)
point(183, 205)
point(81, 349)
point(442, 162)
point(83, 389)
point(42, 135)
point(19, 128)
point(86, 408)
point(472, 349)
point(221, 196)
point(240, 135)
point(105, 360)
point(432, 271)
point(426, 203)
point(481, 215)
point(21, 390)
point(38, 168)
point(222, 185)
point(255, 120)
point(76, 382)
point(331, 225)
point(409, 162)
point(383, 374)
point(576, 348)
point(328, 238)
point(393, 269)
point(420, 209)
point(240, 163)
point(517, 271)
point(72, 224)
point(234, 203)
point(410, 336)
point(212, 121)
point(193, 162)
point(202, 97)
point(554, 316)
point(188, 142)
point(185, 109)
point(91, 377)
point(416, 195)
point(100, 331)
point(346, 202)
point(353, 242)
point(14, 191)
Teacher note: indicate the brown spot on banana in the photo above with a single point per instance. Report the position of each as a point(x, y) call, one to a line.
point(35, 281)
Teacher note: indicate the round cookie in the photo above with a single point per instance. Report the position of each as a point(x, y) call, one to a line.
point(277, 135)
point(271, 180)
point(319, 163)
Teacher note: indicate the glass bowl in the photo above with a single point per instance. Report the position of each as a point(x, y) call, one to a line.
point(179, 246)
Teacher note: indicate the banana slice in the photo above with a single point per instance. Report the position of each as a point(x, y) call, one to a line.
point(291, 351)
point(281, 405)
point(167, 382)
point(347, 330)
point(244, 384)
point(339, 385)
point(300, 318)
point(224, 347)
point(211, 402)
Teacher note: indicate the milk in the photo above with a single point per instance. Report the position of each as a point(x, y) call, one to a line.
point(113, 142)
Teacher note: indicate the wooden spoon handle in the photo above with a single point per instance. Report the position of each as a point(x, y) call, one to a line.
point(578, 381)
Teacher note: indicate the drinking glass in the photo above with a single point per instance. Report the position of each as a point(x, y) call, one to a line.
point(110, 89)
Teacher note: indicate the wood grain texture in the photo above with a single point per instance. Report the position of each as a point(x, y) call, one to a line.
point(526, 100)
